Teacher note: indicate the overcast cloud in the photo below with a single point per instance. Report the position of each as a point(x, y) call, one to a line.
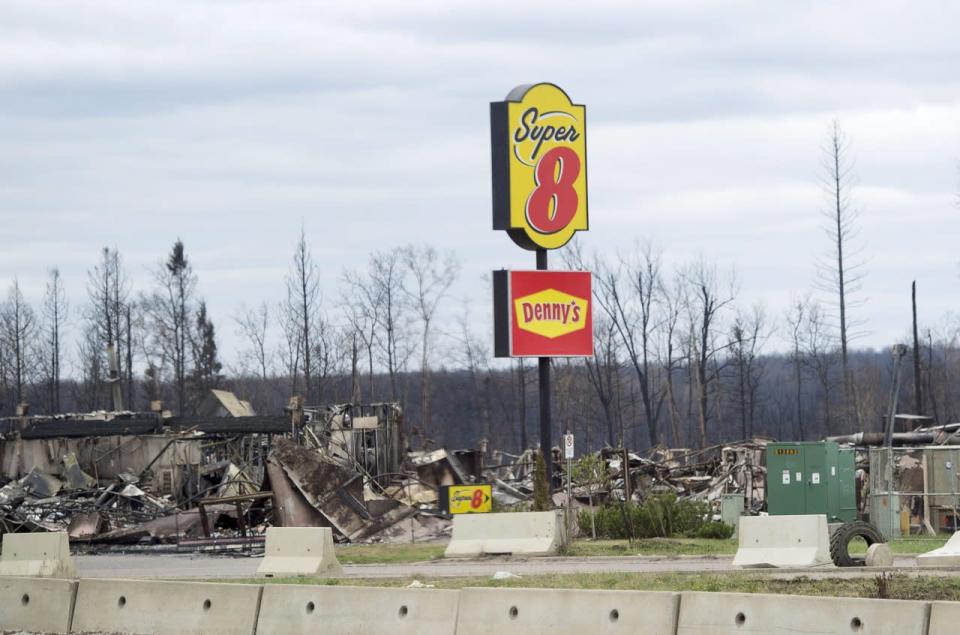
point(229, 123)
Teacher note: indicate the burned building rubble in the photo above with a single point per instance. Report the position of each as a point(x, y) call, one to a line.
point(214, 480)
point(612, 476)
point(218, 479)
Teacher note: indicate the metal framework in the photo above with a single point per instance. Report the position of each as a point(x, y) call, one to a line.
point(916, 483)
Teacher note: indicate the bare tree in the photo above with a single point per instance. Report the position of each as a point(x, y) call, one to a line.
point(252, 325)
point(706, 301)
point(475, 356)
point(291, 349)
point(519, 383)
point(628, 295)
point(132, 319)
point(796, 321)
point(170, 310)
point(303, 297)
point(675, 303)
point(109, 290)
point(4, 372)
point(842, 274)
point(18, 330)
point(55, 312)
point(747, 335)
point(379, 299)
point(820, 356)
point(324, 355)
point(602, 372)
point(206, 373)
point(87, 391)
point(432, 274)
point(343, 352)
point(350, 340)
point(916, 353)
point(943, 363)
point(569, 391)
point(364, 301)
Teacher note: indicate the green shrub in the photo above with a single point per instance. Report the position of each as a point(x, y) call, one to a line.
point(714, 529)
point(658, 517)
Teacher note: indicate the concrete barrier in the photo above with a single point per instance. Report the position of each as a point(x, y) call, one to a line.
point(944, 618)
point(879, 554)
point(722, 613)
point(299, 551)
point(36, 605)
point(335, 610)
point(518, 533)
point(165, 608)
point(42, 555)
point(946, 556)
point(784, 541)
point(562, 611)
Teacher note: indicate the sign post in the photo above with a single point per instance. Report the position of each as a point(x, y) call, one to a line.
point(543, 384)
point(568, 454)
point(539, 165)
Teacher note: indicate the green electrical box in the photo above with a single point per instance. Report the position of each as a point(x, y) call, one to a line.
point(811, 478)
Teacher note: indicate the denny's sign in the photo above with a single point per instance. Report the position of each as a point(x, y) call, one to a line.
point(542, 314)
point(539, 143)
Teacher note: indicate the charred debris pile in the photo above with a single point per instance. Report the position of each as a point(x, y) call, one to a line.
point(613, 476)
point(217, 480)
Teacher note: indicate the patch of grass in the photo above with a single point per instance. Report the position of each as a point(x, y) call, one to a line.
point(653, 547)
point(712, 547)
point(389, 554)
point(903, 546)
point(915, 544)
point(668, 547)
point(901, 587)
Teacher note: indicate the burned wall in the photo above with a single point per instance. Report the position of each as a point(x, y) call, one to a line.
point(101, 457)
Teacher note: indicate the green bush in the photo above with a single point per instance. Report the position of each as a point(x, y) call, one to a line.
point(714, 529)
point(658, 517)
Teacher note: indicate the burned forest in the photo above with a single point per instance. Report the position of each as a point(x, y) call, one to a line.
point(678, 360)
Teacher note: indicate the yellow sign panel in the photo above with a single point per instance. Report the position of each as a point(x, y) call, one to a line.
point(470, 499)
point(551, 313)
point(786, 452)
point(539, 142)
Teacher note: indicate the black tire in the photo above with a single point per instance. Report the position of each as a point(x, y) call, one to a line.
point(840, 542)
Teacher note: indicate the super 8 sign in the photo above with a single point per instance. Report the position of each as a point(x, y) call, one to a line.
point(542, 314)
point(539, 143)
point(468, 499)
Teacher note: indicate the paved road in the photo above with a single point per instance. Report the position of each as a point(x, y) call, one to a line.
point(222, 567)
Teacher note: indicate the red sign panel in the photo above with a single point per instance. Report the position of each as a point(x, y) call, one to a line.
point(543, 314)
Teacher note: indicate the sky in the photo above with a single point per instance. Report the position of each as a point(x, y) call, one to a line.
point(229, 124)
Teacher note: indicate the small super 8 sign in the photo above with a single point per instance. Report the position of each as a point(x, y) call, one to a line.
point(469, 499)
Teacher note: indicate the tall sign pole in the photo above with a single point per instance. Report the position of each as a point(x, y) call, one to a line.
point(539, 160)
point(543, 383)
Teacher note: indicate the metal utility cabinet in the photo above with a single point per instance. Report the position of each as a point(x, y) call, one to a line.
point(811, 478)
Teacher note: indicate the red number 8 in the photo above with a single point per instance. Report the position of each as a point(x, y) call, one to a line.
point(556, 187)
point(477, 500)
